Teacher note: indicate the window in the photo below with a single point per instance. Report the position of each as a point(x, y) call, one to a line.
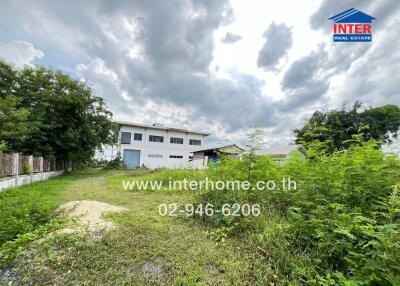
point(176, 156)
point(174, 140)
point(155, 155)
point(137, 137)
point(154, 138)
point(126, 137)
point(194, 142)
point(190, 158)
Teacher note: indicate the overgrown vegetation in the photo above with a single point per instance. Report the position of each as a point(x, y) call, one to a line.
point(116, 163)
point(341, 225)
point(23, 209)
point(145, 248)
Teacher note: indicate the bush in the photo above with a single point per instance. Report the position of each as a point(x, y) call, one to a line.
point(340, 226)
point(26, 169)
point(117, 163)
point(3, 146)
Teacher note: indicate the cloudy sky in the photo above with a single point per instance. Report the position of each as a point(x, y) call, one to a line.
point(210, 65)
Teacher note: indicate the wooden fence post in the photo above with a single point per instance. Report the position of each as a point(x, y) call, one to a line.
point(15, 166)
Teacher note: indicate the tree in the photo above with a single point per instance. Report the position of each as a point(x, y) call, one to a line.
point(255, 139)
point(67, 121)
point(14, 126)
point(335, 129)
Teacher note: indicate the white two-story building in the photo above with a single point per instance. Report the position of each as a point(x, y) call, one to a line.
point(157, 146)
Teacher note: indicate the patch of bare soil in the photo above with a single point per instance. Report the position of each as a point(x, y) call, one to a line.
point(9, 276)
point(88, 215)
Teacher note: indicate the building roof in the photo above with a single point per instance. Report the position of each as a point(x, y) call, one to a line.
point(219, 148)
point(161, 127)
point(352, 16)
point(280, 151)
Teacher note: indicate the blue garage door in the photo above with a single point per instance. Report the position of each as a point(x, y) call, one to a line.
point(131, 158)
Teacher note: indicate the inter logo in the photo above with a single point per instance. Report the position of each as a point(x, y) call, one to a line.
point(352, 26)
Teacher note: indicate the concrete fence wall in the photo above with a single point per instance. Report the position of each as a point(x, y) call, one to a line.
point(34, 171)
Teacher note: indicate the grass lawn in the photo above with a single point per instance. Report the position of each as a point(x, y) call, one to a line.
point(145, 248)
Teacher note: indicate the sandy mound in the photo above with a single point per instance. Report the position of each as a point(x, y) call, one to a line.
point(88, 214)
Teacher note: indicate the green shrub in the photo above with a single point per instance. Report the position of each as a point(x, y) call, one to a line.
point(117, 163)
point(340, 226)
point(3, 146)
point(26, 168)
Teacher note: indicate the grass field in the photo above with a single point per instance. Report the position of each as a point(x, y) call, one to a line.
point(145, 248)
point(337, 227)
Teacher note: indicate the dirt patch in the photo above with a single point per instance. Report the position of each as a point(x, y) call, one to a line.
point(211, 270)
point(9, 276)
point(152, 269)
point(88, 215)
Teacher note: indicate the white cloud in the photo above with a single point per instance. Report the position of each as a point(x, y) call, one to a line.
point(19, 53)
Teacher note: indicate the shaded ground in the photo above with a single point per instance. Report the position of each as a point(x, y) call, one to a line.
point(144, 248)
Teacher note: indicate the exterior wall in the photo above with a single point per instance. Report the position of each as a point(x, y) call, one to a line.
point(164, 149)
point(12, 182)
point(200, 161)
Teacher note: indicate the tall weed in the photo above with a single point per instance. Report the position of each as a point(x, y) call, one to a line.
point(340, 226)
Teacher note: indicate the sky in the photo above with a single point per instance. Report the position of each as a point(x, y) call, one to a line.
point(217, 66)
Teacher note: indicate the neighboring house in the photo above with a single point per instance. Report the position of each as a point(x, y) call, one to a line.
point(281, 153)
point(202, 157)
point(157, 146)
